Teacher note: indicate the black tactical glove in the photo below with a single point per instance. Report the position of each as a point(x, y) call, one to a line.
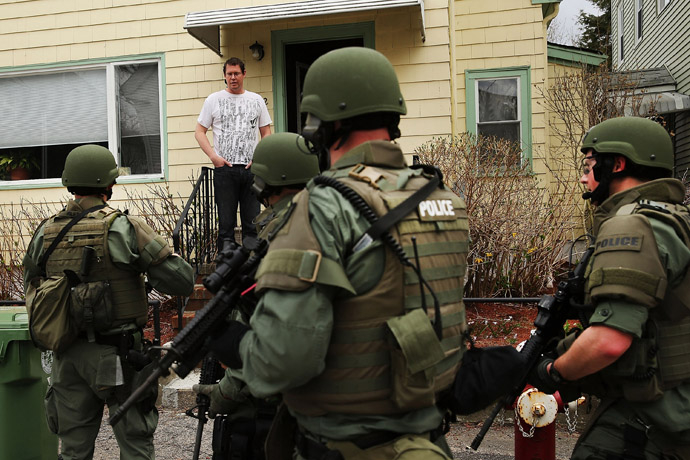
point(226, 347)
point(546, 381)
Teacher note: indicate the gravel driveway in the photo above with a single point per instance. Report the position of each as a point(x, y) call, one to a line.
point(174, 440)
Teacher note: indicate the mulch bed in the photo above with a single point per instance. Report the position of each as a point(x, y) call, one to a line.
point(493, 324)
point(490, 323)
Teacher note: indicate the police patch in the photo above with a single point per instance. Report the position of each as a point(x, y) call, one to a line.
point(436, 210)
point(619, 242)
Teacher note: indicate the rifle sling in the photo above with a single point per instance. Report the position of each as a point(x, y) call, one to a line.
point(396, 214)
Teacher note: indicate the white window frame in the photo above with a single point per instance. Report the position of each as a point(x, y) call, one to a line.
point(519, 104)
point(112, 115)
point(661, 5)
point(621, 32)
point(639, 20)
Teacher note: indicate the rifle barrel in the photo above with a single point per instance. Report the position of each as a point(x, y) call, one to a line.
point(199, 435)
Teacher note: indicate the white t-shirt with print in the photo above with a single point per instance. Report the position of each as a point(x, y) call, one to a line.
point(235, 120)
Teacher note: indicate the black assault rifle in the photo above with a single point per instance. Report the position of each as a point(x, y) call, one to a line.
point(232, 278)
point(211, 372)
point(553, 311)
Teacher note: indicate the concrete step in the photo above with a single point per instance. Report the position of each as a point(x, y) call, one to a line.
point(187, 316)
point(177, 394)
point(199, 298)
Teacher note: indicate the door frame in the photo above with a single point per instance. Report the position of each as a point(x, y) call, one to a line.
point(280, 38)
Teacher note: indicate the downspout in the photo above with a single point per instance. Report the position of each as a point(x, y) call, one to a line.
point(453, 75)
point(550, 11)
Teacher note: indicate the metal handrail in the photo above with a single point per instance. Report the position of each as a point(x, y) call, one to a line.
point(195, 234)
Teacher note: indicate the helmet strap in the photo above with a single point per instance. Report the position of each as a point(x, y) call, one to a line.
point(319, 136)
point(343, 134)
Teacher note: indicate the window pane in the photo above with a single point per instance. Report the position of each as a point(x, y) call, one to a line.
point(140, 143)
point(498, 100)
point(508, 131)
point(53, 109)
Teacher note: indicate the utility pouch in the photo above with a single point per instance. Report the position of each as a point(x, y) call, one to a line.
point(92, 306)
point(640, 357)
point(645, 390)
point(48, 306)
point(636, 371)
point(673, 354)
point(677, 300)
point(415, 352)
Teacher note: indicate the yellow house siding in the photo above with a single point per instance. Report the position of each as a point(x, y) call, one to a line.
point(460, 35)
point(500, 34)
point(46, 32)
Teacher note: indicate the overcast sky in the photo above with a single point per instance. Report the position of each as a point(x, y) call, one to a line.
point(568, 14)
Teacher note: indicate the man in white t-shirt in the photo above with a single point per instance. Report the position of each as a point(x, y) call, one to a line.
point(237, 117)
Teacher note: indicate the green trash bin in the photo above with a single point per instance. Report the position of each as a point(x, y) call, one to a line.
point(24, 374)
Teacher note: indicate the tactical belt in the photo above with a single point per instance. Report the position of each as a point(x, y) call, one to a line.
point(123, 342)
point(314, 450)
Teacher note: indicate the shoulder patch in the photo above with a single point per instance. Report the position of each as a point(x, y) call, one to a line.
point(619, 242)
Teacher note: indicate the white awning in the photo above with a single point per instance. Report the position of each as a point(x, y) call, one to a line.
point(205, 25)
point(666, 102)
point(660, 102)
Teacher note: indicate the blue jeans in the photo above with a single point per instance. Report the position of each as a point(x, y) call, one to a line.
point(232, 186)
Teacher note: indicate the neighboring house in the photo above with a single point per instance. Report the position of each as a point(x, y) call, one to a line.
point(651, 46)
point(132, 75)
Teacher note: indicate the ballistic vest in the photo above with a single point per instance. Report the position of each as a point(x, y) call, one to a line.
point(384, 356)
point(127, 288)
point(627, 265)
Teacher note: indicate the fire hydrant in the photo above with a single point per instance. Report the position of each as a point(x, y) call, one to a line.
point(535, 427)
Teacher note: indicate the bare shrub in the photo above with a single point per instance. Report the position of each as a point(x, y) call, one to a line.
point(517, 227)
point(157, 206)
point(17, 223)
point(575, 101)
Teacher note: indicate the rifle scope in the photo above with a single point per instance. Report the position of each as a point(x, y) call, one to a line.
point(228, 261)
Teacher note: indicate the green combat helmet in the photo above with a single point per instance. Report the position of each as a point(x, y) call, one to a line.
point(282, 159)
point(348, 84)
point(89, 166)
point(351, 81)
point(642, 141)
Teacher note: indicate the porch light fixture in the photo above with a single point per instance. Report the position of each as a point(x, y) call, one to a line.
point(257, 51)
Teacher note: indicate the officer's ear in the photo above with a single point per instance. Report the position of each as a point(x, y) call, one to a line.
point(619, 163)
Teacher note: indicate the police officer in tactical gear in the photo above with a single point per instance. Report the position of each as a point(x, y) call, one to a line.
point(282, 167)
point(359, 347)
point(105, 254)
point(635, 353)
